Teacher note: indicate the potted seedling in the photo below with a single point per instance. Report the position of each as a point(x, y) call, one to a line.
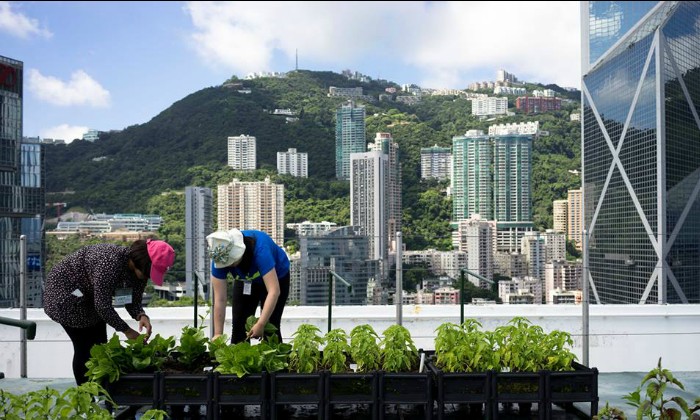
point(303, 382)
point(241, 372)
point(351, 368)
point(461, 365)
point(400, 381)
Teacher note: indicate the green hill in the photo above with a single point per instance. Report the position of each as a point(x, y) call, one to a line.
point(128, 171)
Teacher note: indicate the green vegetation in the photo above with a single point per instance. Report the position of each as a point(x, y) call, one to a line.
point(82, 402)
point(518, 346)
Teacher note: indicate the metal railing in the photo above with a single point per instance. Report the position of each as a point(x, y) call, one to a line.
point(28, 328)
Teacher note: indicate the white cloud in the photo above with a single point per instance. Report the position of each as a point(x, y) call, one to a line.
point(80, 90)
point(17, 24)
point(64, 132)
point(446, 41)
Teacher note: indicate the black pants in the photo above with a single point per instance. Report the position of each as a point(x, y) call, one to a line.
point(83, 339)
point(244, 306)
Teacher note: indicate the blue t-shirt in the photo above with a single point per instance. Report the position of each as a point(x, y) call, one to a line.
point(266, 256)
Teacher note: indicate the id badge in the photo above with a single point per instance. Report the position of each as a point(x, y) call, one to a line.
point(122, 296)
point(247, 288)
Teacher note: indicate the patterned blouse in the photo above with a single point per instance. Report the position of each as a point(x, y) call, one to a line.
point(79, 289)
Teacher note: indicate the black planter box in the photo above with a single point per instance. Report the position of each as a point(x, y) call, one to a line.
point(351, 388)
point(297, 389)
point(567, 387)
point(248, 390)
point(186, 388)
point(523, 388)
point(414, 388)
point(461, 388)
point(135, 389)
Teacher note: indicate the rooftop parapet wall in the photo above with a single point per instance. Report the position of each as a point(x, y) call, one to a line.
point(623, 338)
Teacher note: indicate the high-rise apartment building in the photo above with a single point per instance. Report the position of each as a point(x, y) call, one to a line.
point(349, 137)
point(368, 202)
point(293, 163)
point(435, 162)
point(385, 144)
point(560, 214)
point(199, 222)
point(472, 184)
point(562, 276)
point(574, 219)
point(475, 236)
point(491, 177)
point(533, 248)
point(22, 193)
point(242, 152)
point(641, 150)
point(489, 106)
point(252, 205)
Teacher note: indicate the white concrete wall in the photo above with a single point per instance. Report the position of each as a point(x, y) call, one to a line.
point(622, 337)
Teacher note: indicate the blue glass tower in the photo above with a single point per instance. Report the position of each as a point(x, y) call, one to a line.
point(641, 150)
point(22, 193)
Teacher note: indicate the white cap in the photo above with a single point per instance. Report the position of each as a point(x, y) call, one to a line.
point(226, 247)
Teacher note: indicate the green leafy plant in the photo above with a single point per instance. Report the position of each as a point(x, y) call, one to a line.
point(653, 405)
point(397, 350)
point(610, 413)
point(557, 345)
point(191, 354)
point(364, 348)
point(106, 361)
point(305, 356)
point(267, 331)
point(154, 414)
point(148, 356)
point(335, 354)
point(464, 348)
point(245, 358)
point(76, 402)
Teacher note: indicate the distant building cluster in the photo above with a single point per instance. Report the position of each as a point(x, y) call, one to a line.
point(102, 223)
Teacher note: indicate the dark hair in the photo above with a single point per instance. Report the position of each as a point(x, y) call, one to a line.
point(247, 257)
point(138, 253)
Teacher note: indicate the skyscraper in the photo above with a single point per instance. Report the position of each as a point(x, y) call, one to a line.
point(384, 143)
point(491, 177)
point(368, 203)
point(22, 193)
point(472, 189)
point(349, 137)
point(198, 224)
point(641, 150)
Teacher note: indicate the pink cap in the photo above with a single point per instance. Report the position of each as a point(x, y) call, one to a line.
point(162, 258)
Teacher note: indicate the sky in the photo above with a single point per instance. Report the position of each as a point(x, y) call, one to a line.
point(110, 65)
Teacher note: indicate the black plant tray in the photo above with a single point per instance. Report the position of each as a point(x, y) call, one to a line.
point(135, 389)
point(351, 388)
point(578, 385)
point(249, 389)
point(297, 388)
point(414, 388)
point(185, 389)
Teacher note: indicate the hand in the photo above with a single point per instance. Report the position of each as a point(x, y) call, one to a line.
point(257, 330)
point(131, 334)
point(215, 336)
point(145, 321)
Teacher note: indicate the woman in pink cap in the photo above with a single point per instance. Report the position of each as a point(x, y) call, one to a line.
point(82, 289)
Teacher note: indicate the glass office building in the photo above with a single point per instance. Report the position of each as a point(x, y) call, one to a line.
point(349, 137)
point(22, 193)
point(641, 150)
